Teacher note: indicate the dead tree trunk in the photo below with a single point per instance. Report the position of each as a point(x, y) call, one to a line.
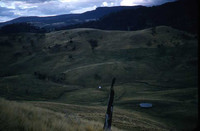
point(108, 117)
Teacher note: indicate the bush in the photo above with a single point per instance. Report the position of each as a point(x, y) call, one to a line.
point(6, 43)
point(18, 54)
point(40, 76)
point(161, 50)
point(70, 57)
point(153, 31)
point(97, 77)
point(55, 48)
point(93, 43)
point(74, 47)
point(149, 43)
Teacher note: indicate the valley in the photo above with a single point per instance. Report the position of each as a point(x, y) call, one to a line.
point(61, 71)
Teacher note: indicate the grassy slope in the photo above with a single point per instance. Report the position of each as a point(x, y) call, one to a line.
point(123, 119)
point(165, 76)
point(20, 116)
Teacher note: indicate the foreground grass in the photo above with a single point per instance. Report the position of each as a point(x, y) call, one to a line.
point(122, 119)
point(24, 117)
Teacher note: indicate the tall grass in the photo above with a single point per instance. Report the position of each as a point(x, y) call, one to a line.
point(16, 116)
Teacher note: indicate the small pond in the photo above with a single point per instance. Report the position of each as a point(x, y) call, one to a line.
point(145, 105)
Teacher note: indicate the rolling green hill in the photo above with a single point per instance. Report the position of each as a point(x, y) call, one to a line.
point(157, 65)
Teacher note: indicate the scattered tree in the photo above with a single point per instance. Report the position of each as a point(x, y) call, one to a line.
point(27, 91)
point(66, 46)
point(161, 50)
point(97, 77)
point(93, 43)
point(6, 43)
point(70, 56)
point(74, 47)
point(153, 31)
point(176, 44)
point(149, 43)
point(18, 54)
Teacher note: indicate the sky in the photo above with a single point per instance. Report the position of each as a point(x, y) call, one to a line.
point(10, 9)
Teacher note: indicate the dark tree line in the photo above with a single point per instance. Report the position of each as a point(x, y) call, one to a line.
point(182, 14)
point(43, 76)
point(21, 28)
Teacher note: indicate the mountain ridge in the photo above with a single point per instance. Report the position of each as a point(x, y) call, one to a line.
point(73, 18)
point(182, 15)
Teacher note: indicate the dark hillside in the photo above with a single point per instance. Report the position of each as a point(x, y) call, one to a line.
point(21, 28)
point(182, 15)
point(156, 65)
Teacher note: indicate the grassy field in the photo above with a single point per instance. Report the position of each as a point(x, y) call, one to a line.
point(62, 70)
point(25, 117)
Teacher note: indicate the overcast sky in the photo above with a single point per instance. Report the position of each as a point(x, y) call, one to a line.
point(10, 9)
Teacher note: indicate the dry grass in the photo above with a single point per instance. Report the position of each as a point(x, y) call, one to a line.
point(24, 117)
point(122, 119)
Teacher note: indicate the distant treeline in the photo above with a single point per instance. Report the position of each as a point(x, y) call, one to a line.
point(182, 14)
point(21, 28)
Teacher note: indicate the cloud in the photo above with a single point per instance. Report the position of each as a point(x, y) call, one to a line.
point(105, 4)
point(6, 14)
point(143, 2)
point(83, 10)
point(108, 4)
point(10, 9)
point(27, 1)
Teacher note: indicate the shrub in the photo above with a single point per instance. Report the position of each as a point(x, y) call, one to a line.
point(40, 76)
point(161, 50)
point(153, 31)
point(70, 56)
point(93, 43)
point(97, 77)
point(6, 43)
point(74, 47)
point(149, 43)
point(55, 48)
point(18, 54)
